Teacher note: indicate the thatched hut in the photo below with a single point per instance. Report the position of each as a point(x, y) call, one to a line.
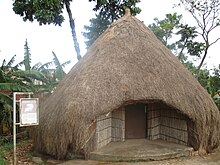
point(127, 86)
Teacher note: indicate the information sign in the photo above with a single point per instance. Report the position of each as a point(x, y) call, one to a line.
point(29, 111)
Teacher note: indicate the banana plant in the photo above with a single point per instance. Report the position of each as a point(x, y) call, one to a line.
point(37, 79)
point(8, 84)
point(59, 67)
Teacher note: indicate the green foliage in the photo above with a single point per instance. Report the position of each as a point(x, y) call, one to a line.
point(8, 82)
point(27, 56)
point(2, 160)
point(107, 12)
point(209, 79)
point(206, 14)
point(14, 86)
point(38, 79)
point(4, 148)
point(5, 99)
point(97, 26)
point(213, 86)
point(113, 9)
point(214, 82)
point(187, 41)
point(59, 72)
point(183, 44)
point(164, 29)
point(171, 27)
point(45, 12)
point(216, 99)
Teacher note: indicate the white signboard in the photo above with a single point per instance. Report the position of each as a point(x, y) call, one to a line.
point(29, 111)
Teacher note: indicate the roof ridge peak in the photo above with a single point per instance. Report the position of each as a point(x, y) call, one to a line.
point(127, 11)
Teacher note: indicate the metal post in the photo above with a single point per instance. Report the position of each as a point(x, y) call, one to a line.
point(14, 126)
point(14, 121)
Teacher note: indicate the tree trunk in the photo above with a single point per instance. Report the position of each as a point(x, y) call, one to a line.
point(180, 55)
point(203, 58)
point(72, 26)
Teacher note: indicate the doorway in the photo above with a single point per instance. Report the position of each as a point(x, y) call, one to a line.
point(135, 121)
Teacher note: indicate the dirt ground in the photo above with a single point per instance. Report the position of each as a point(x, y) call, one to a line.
point(24, 158)
point(212, 159)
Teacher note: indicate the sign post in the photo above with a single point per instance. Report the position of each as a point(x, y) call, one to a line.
point(14, 126)
point(29, 113)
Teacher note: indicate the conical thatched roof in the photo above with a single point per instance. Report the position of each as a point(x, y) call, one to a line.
point(127, 63)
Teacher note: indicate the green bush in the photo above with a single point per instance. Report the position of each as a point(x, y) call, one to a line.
point(4, 148)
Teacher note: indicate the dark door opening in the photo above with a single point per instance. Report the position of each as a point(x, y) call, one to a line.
point(135, 121)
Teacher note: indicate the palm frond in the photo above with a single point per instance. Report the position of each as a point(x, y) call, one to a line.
point(59, 73)
point(11, 61)
point(51, 70)
point(56, 60)
point(5, 99)
point(20, 64)
point(32, 74)
point(66, 63)
point(2, 77)
point(36, 66)
point(13, 87)
point(47, 65)
point(3, 63)
point(44, 68)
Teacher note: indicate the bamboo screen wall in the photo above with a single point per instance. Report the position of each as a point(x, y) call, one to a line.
point(118, 125)
point(167, 124)
point(110, 127)
point(162, 123)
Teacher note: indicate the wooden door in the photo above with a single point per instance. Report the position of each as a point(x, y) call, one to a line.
point(135, 121)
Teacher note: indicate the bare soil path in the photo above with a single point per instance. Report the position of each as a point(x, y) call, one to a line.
point(25, 158)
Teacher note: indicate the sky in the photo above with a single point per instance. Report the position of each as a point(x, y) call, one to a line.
point(42, 40)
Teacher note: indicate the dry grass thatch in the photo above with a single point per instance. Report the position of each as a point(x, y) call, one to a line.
point(127, 63)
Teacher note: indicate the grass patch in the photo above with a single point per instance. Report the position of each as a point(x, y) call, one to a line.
point(4, 149)
point(2, 162)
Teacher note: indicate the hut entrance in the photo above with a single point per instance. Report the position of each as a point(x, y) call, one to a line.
point(153, 120)
point(135, 121)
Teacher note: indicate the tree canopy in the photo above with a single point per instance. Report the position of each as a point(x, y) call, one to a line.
point(181, 40)
point(47, 12)
point(107, 11)
point(206, 14)
point(184, 43)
